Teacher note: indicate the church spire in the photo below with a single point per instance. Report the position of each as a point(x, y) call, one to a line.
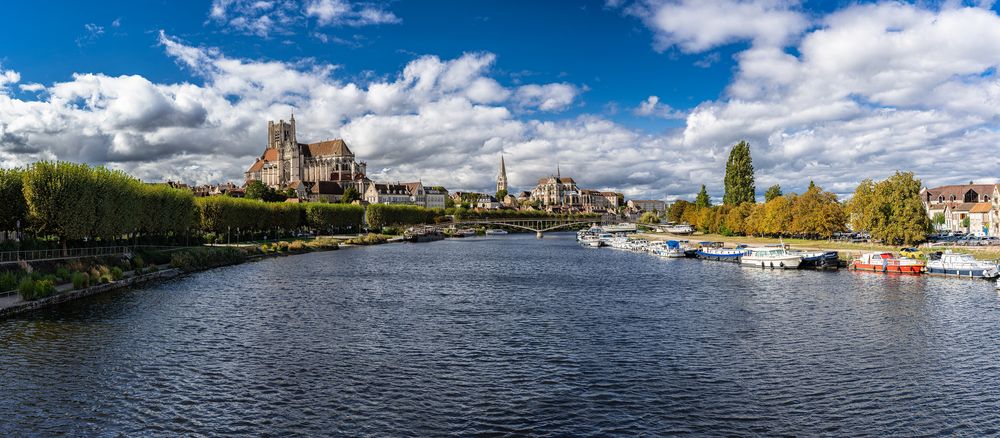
point(502, 176)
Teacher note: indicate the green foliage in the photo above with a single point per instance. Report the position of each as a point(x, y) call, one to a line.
point(890, 210)
point(81, 280)
point(221, 214)
point(26, 289)
point(257, 190)
point(12, 199)
point(500, 195)
point(60, 199)
point(9, 281)
point(649, 218)
point(350, 195)
point(938, 219)
point(703, 200)
point(739, 182)
point(367, 239)
point(63, 273)
point(34, 289)
point(772, 192)
point(965, 222)
point(381, 215)
point(329, 217)
point(448, 202)
point(206, 257)
point(116, 273)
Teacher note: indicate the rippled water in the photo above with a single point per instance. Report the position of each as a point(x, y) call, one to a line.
point(509, 335)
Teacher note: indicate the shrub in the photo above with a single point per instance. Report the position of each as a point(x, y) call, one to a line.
point(201, 258)
point(81, 280)
point(282, 246)
point(44, 288)
point(116, 273)
point(27, 289)
point(297, 245)
point(9, 281)
point(63, 273)
point(367, 239)
point(137, 262)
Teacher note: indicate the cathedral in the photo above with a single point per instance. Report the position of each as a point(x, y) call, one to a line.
point(314, 170)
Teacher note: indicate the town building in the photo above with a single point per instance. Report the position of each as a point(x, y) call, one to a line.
point(413, 193)
point(957, 203)
point(286, 163)
point(646, 205)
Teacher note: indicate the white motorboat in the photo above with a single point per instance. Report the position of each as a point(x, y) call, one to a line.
point(771, 257)
point(495, 231)
point(671, 250)
point(591, 241)
point(623, 227)
point(962, 265)
point(679, 229)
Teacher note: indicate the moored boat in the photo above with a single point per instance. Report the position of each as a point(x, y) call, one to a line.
point(591, 241)
point(672, 249)
point(496, 231)
point(820, 259)
point(771, 257)
point(679, 229)
point(887, 262)
point(962, 265)
point(715, 251)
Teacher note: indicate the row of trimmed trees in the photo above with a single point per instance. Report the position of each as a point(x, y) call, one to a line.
point(75, 202)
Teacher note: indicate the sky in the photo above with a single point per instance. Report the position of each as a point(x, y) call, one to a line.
point(643, 97)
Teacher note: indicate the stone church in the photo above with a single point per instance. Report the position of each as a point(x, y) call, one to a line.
point(314, 170)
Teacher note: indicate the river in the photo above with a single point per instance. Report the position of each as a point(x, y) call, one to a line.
point(508, 335)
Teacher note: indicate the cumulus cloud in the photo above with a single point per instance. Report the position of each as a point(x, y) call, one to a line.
point(444, 121)
point(651, 107)
point(268, 17)
point(873, 89)
point(696, 25)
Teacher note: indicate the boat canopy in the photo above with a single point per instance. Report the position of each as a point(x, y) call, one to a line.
point(673, 244)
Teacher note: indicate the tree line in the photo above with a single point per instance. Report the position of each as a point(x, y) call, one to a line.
point(889, 210)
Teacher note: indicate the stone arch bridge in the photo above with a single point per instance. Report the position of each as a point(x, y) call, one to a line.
point(538, 225)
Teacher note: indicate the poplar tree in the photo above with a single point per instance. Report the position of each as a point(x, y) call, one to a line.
point(702, 200)
point(739, 176)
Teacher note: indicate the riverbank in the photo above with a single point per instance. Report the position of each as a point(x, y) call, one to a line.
point(846, 250)
point(194, 261)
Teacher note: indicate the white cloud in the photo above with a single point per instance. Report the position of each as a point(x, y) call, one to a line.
point(93, 32)
point(548, 97)
point(874, 89)
point(651, 107)
point(266, 18)
point(697, 25)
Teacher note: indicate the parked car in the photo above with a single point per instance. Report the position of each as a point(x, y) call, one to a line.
point(913, 253)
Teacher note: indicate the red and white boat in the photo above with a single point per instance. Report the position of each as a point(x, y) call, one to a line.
point(887, 262)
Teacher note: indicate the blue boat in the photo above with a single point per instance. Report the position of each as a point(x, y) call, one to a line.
point(722, 254)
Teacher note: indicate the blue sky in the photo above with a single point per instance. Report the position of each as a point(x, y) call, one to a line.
point(822, 90)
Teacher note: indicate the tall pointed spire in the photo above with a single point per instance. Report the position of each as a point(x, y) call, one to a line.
point(502, 176)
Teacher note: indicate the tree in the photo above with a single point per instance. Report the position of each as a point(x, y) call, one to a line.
point(449, 202)
point(60, 199)
point(649, 217)
point(772, 192)
point(676, 210)
point(739, 176)
point(890, 210)
point(965, 223)
point(702, 200)
point(256, 190)
point(501, 194)
point(938, 219)
point(12, 199)
point(350, 195)
point(816, 213)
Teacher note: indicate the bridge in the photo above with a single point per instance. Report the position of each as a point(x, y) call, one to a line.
point(539, 225)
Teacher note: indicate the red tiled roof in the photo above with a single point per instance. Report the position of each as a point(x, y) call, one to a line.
point(331, 147)
point(981, 207)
